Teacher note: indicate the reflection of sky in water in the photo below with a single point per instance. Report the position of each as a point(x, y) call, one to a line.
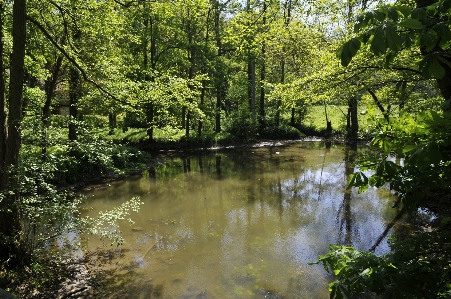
point(249, 229)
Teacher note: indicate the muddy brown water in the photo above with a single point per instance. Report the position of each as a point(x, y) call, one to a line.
point(241, 223)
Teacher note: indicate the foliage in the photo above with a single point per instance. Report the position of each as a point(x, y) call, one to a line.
point(412, 154)
point(240, 125)
point(282, 132)
point(391, 29)
point(417, 268)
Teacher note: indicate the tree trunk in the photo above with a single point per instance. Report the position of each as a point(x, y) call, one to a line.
point(49, 86)
point(251, 84)
point(3, 106)
point(74, 93)
point(354, 118)
point(202, 100)
point(279, 102)
point(183, 117)
point(219, 83)
point(149, 107)
point(250, 75)
point(112, 124)
point(10, 250)
point(187, 124)
point(263, 75)
point(74, 96)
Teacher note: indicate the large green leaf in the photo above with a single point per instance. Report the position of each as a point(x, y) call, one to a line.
point(393, 14)
point(443, 32)
point(379, 43)
point(403, 9)
point(394, 42)
point(429, 40)
point(419, 14)
point(348, 50)
point(411, 24)
point(431, 68)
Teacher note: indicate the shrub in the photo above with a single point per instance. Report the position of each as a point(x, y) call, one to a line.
point(282, 132)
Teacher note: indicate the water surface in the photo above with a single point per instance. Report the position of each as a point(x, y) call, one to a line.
point(241, 223)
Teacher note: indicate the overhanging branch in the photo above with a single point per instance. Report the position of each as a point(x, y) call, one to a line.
point(75, 63)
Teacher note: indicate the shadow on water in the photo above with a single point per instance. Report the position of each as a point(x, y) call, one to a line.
point(239, 224)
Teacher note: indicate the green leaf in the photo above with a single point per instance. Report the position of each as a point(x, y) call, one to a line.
point(431, 68)
point(408, 148)
point(444, 6)
point(379, 15)
point(443, 32)
point(429, 40)
point(411, 24)
point(443, 59)
point(393, 14)
point(394, 42)
point(419, 14)
point(403, 9)
point(389, 59)
point(348, 51)
point(379, 44)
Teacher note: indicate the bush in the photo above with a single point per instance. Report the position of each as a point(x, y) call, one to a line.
point(282, 132)
point(239, 125)
point(79, 162)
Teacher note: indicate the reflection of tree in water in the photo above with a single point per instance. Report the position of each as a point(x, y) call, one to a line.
point(186, 164)
point(346, 224)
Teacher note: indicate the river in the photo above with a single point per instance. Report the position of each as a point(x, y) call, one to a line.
point(238, 223)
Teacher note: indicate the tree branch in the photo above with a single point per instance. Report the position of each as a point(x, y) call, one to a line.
point(378, 103)
point(75, 63)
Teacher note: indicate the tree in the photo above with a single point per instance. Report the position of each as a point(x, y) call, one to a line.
point(418, 267)
point(11, 141)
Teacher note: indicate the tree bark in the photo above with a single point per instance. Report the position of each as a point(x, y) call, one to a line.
point(112, 123)
point(49, 86)
point(149, 107)
point(220, 84)
point(379, 105)
point(10, 250)
point(74, 96)
point(251, 75)
point(263, 75)
point(3, 105)
point(354, 118)
point(251, 84)
point(74, 93)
